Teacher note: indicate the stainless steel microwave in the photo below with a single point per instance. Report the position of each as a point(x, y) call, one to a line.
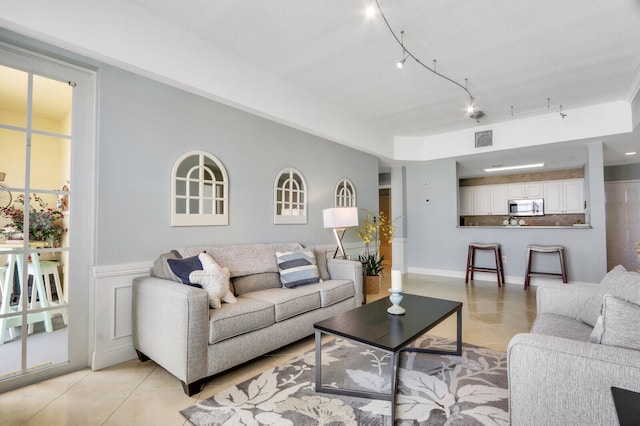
point(526, 207)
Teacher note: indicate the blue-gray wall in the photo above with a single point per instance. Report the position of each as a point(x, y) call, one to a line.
point(145, 126)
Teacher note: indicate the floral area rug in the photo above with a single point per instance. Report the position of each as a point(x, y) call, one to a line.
point(433, 389)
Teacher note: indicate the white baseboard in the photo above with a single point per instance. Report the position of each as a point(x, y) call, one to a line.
point(486, 276)
point(105, 359)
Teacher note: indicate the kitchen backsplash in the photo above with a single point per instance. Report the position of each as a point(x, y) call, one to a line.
point(546, 220)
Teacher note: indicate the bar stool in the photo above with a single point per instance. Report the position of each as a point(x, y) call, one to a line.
point(49, 268)
point(471, 266)
point(535, 248)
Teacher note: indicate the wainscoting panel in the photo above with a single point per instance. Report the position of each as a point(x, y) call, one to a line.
point(113, 342)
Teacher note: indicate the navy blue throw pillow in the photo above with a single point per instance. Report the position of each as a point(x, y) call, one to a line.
point(183, 267)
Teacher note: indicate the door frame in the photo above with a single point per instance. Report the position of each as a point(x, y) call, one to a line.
point(82, 199)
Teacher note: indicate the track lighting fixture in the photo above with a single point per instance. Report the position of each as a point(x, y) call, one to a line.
point(539, 110)
point(400, 63)
point(562, 114)
point(406, 54)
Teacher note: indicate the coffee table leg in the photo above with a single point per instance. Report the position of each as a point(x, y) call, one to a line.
point(459, 343)
point(318, 360)
point(394, 385)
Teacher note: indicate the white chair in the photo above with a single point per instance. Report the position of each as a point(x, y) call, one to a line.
point(49, 268)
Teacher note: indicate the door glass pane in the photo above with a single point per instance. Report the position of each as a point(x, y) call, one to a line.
point(49, 165)
point(13, 97)
point(13, 157)
point(51, 110)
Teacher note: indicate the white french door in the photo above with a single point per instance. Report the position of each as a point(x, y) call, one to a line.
point(46, 170)
point(623, 224)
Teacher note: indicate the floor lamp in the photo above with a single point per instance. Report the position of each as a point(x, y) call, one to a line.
point(340, 218)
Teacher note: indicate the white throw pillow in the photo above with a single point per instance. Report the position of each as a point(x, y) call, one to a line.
point(215, 280)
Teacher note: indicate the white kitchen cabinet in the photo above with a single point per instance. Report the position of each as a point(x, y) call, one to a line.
point(560, 197)
point(481, 200)
point(525, 190)
point(466, 201)
point(499, 198)
point(564, 196)
point(490, 200)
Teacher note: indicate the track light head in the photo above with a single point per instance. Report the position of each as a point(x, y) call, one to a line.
point(400, 64)
point(370, 11)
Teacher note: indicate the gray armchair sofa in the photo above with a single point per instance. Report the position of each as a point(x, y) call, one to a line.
point(563, 371)
point(174, 326)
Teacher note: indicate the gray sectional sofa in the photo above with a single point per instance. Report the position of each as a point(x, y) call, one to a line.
point(174, 325)
point(584, 341)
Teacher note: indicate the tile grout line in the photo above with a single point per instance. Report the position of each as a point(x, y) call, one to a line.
point(56, 398)
point(129, 396)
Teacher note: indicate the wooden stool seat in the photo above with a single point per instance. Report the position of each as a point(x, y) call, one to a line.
point(472, 267)
point(536, 248)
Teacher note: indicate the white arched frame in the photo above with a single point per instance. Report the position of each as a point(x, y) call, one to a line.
point(199, 191)
point(345, 193)
point(290, 198)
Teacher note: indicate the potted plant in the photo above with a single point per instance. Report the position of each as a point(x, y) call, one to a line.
point(45, 223)
point(371, 232)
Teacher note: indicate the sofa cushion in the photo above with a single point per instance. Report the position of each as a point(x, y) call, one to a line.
point(255, 282)
point(244, 259)
point(297, 268)
point(618, 282)
point(321, 261)
point(182, 268)
point(618, 323)
point(334, 291)
point(289, 302)
point(559, 326)
point(238, 318)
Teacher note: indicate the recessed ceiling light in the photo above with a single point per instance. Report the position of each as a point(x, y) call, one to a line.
point(630, 153)
point(522, 166)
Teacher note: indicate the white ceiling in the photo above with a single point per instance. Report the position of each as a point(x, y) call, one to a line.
point(513, 53)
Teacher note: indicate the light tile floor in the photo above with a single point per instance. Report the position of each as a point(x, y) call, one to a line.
point(136, 393)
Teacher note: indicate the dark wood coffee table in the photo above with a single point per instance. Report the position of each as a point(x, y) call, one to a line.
point(372, 326)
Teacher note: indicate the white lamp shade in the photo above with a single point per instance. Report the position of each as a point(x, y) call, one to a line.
point(340, 217)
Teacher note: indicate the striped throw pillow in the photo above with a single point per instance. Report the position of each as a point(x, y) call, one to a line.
point(297, 268)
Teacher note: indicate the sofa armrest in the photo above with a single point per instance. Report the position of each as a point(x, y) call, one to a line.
point(171, 326)
point(566, 301)
point(557, 381)
point(342, 269)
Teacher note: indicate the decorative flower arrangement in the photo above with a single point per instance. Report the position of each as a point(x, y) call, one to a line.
point(371, 232)
point(45, 223)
